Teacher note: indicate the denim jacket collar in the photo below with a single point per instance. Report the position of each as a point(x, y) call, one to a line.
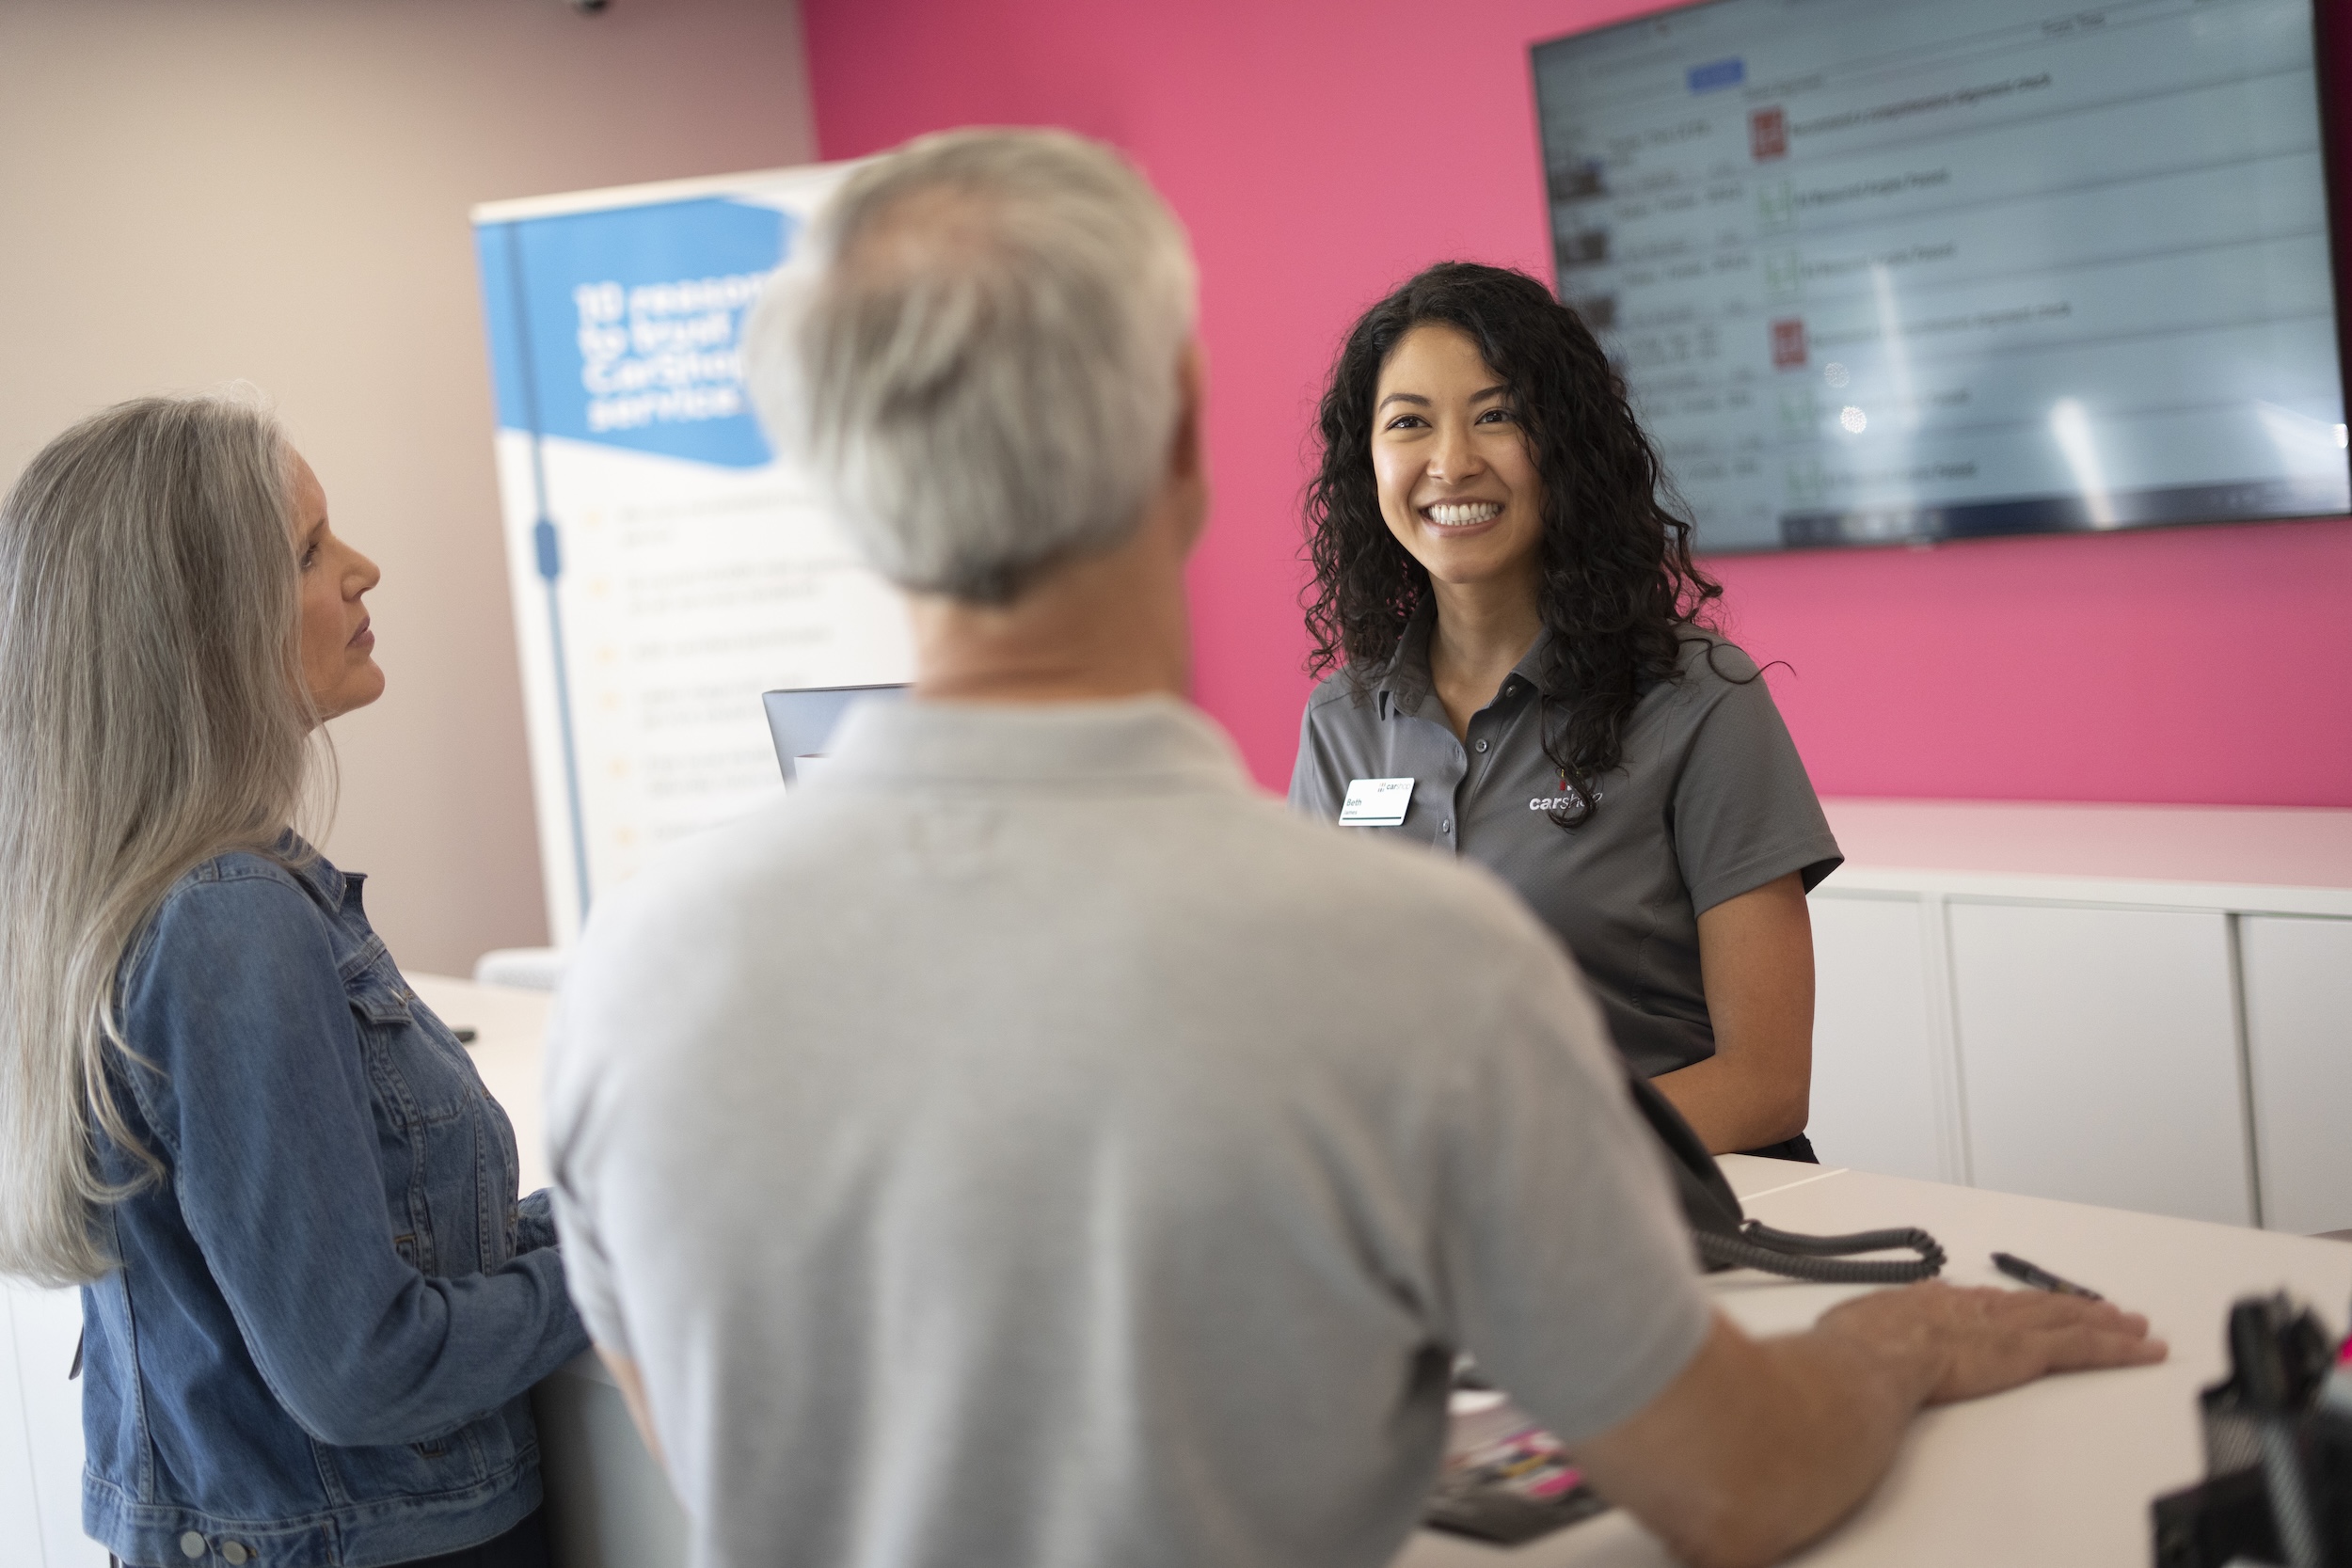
point(318, 875)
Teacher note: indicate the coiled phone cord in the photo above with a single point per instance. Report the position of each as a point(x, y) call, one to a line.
point(1822, 1259)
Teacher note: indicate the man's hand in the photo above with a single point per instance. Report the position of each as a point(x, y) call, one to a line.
point(1761, 1445)
point(1974, 1340)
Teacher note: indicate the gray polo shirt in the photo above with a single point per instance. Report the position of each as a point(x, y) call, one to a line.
point(1710, 802)
point(1029, 1144)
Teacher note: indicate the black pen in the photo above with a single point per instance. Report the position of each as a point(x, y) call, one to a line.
point(2041, 1278)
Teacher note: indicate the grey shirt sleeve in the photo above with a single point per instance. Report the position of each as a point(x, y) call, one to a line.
point(1745, 811)
point(572, 1092)
point(1566, 1267)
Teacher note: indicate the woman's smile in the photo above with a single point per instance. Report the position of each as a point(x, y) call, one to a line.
point(1460, 518)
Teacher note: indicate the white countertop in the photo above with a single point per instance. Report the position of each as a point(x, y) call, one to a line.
point(2061, 1471)
point(2287, 859)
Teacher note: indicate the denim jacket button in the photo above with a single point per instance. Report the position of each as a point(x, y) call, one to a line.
point(191, 1545)
point(234, 1551)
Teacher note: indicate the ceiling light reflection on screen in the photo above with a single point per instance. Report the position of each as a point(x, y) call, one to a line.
point(2305, 445)
point(1898, 351)
point(2071, 423)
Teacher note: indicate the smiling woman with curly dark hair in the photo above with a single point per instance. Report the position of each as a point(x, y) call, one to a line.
point(1521, 670)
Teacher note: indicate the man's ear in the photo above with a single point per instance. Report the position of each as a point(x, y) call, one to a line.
point(1188, 484)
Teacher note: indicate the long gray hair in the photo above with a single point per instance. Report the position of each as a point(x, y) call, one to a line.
point(151, 715)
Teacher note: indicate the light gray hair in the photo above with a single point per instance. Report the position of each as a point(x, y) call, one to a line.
point(976, 360)
point(151, 715)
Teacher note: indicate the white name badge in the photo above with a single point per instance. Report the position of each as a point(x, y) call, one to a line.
point(1375, 802)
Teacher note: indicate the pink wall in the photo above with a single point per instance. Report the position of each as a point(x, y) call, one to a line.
point(1321, 149)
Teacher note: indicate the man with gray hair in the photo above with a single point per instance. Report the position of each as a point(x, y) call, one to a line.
point(1031, 1146)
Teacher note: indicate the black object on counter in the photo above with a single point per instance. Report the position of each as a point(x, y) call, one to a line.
point(2277, 1451)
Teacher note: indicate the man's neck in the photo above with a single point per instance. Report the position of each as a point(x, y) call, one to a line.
point(1105, 627)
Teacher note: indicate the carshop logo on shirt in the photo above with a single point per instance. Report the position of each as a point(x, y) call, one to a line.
point(1561, 805)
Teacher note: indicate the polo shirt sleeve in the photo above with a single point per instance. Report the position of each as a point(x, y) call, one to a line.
point(577, 1089)
point(1745, 811)
point(1565, 1266)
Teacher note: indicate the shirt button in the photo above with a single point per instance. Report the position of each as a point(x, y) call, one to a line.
point(1446, 825)
point(236, 1552)
point(191, 1545)
point(1481, 745)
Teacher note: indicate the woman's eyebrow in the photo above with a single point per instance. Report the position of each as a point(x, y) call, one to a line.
point(1499, 389)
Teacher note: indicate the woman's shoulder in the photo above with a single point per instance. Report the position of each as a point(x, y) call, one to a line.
point(1708, 662)
point(1711, 673)
point(242, 876)
point(1341, 691)
point(241, 899)
point(236, 942)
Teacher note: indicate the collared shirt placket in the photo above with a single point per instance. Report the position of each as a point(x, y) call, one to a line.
point(1457, 770)
point(1439, 764)
point(1488, 746)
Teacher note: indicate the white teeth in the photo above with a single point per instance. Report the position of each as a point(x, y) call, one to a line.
point(1468, 512)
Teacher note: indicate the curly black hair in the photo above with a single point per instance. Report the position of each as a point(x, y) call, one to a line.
point(1619, 588)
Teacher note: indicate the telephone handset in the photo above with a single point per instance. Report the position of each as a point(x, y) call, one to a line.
point(1728, 1239)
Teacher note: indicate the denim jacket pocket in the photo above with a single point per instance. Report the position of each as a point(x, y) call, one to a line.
point(373, 982)
point(453, 1462)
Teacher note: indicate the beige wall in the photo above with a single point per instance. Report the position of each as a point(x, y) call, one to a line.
point(198, 190)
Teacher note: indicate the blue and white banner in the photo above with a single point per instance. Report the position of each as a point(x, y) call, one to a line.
point(666, 568)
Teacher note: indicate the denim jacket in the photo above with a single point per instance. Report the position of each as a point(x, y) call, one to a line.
point(318, 1348)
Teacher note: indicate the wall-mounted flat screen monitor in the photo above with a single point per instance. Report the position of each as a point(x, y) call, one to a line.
point(1892, 270)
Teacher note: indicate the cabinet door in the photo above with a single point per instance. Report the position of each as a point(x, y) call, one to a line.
point(48, 1323)
point(2099, 1058)
point(1875, 1104)
point(20, 1510)
point(2298, 1046)
point(607, 1504)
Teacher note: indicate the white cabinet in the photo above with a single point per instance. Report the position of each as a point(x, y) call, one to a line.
point(45, 1492)
point(1877, 1101)
point(20, 1509)
point(2145, 1007)
point(2099, 1059)
point(608, 1504)
point(2298, 1045)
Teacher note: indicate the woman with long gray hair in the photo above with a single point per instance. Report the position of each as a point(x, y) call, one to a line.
point(312, 1304)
